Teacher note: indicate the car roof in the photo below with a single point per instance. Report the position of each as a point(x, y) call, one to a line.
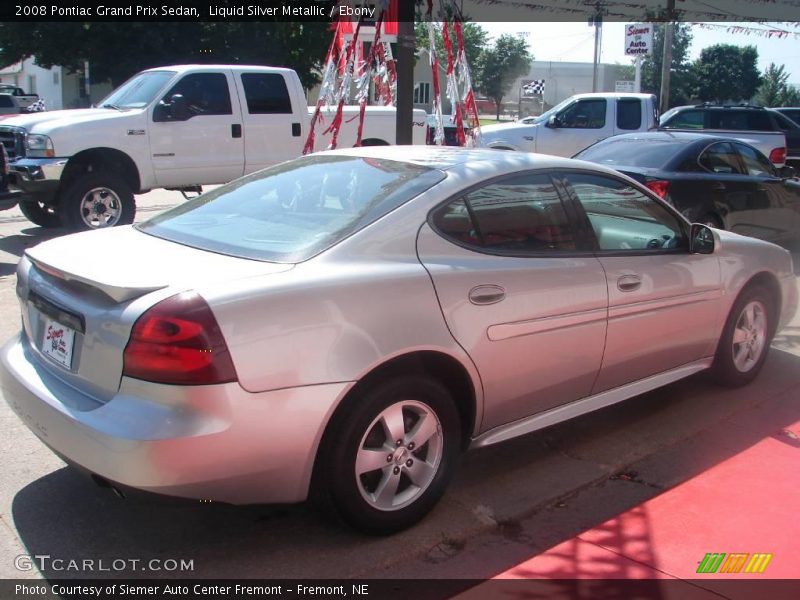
point(666, 135)
point(453, 158)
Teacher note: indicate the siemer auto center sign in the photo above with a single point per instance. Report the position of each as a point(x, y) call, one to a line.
point(639, 39)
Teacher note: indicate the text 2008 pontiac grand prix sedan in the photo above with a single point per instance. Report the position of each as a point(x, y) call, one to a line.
point(347, 323)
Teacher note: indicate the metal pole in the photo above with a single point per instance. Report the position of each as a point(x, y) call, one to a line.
point(666, 57)
point(405, 72)
point(596, 51)
point(637, 78)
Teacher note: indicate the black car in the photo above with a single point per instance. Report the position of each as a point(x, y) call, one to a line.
point(736, 118)
point(718, 181)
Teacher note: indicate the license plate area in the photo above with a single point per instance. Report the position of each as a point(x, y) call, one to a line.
point(57, 332)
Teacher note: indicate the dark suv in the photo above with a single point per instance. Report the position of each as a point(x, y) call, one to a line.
point(736, 118)
point(793, 112)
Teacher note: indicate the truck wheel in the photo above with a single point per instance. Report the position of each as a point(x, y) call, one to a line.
point(40, 214)
point(388, 455)
point(97, 200)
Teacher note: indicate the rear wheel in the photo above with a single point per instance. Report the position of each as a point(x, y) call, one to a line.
point(40, 214)
point(745, 339)
point(711, 220)
point(389, 454)
point(97, 200)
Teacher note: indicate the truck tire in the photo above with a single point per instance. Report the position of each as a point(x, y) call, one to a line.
point(40, 214)
point(95, 201)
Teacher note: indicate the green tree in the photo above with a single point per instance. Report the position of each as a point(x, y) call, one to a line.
point(774, 89)
point(727, 72)
point(681, 76)
point(500, 65)
point(116, 52)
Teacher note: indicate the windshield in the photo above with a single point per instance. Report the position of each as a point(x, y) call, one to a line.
point(295, 210)
point(546, 114)
point(651, 154)
point(138, 91)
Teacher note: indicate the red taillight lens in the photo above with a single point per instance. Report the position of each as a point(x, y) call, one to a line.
point(777, 156)
point(658, 186)
point(178, 341)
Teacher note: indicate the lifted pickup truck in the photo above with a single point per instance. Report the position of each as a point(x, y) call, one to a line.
point(177, 127)
point(577, 122)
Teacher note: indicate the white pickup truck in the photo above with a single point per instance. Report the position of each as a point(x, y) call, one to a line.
point(177, 127)
point(24, 100)
point(575, 123)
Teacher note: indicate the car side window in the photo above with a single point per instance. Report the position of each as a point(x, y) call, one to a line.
point(687, 119)
point(517, 215)
point(755, 162)
point(584, 114)
point(266, 93)
point(625, 219)
point(720, 158)
point(629, 113)
point(735, 120)
point(758, 120)
point(204, 93)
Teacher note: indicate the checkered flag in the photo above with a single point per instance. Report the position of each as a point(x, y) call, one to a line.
point(37, 106)
point(534, 88)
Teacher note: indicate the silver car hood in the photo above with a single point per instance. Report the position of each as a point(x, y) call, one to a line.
point(125, 263)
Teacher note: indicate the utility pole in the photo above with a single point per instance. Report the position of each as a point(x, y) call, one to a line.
point(666, 56)
point(405, 72)
point(597, 20)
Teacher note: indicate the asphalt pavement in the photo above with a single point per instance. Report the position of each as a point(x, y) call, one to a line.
point(508, 505)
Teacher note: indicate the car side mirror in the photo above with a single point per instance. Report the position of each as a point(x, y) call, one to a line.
point(701, 239)
point(787, 172)
point(174, 110)
point(553, 122)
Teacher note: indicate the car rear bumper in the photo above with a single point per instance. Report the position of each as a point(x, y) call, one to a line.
point(218, 443)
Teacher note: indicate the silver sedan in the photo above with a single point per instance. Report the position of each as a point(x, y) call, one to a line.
point(343, 325)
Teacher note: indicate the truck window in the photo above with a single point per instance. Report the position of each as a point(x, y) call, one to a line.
point(584, 114)
point(205, 93)
point(629, 113)
point(6, 101)
point(266, 94)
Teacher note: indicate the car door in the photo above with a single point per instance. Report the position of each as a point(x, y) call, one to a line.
point(663, 301)
point(734, 193)
point(776, 198)
point(519, 292)
point(204, 146)
point(272, 126)
point(579, 125)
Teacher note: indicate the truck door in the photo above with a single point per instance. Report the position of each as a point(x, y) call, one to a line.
point(202, 142)
point(579, 125)
point(273, 127)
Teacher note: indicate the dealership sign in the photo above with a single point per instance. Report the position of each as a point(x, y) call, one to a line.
point(638, 39)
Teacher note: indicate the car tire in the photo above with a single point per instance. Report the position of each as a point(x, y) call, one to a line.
point(711, 220)
point(40, 214)
point(95, 201)
point(745, 340)
point(377, 484)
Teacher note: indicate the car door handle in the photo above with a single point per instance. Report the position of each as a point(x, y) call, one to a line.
point(629, 283)
point(236, 130)
point(486, 294)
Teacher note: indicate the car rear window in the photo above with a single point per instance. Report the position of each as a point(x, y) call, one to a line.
point(295, 210)
point(6, 101)
point(633, 153)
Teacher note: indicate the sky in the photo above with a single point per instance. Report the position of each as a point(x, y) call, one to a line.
point(574, 42)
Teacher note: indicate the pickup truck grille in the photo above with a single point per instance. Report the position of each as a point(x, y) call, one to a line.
point(13, 141)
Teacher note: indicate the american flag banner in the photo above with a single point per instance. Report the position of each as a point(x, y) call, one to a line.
point(534, 88)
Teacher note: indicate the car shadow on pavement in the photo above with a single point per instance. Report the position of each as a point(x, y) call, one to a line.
point(15, 245)
point(522, 492)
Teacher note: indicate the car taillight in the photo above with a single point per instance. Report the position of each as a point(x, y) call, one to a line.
point(777, 156)
point(658, 186)
point(178, 341)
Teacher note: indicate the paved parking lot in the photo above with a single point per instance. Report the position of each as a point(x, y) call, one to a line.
point(508, 501)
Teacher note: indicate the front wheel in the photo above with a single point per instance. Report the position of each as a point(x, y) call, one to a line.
point(389, 454)
point(745, 339)
point(95, 201)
